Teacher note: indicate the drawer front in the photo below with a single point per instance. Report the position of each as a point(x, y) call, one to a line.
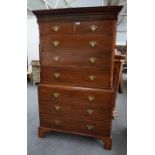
point(66, 94)
point(94, 27)
point(75, 125)
point(56, 28)
point(95, 78)
point(89, 42)
point(86, 103)
point(80, 58)
point(80, 110)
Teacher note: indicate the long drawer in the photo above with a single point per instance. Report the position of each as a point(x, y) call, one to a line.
point(95, 78)
point(93, 104)
point(67, 94)
point(89, 127)
point(51, 42)
point(77, 58)
point(91, 112)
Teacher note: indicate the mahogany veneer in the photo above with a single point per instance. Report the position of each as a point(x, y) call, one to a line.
point(97, 78)
point(77, 92)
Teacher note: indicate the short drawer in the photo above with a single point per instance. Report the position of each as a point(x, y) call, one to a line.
point(75, 125)
point(95, 78)
point(94, 27)
point(56, 28)
point(87, 42)
point(80, 58)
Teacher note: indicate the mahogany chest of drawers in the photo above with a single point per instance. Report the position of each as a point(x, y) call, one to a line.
point(77, 64)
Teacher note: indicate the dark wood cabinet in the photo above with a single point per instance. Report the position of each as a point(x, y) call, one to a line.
point(76, 93)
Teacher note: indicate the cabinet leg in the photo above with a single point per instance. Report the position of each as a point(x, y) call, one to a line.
point(42, 131)
point(107, 143)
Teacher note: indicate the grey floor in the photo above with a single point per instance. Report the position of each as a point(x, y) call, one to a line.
point(67, 144)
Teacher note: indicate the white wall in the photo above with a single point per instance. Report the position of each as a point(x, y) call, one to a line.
point(32, 39)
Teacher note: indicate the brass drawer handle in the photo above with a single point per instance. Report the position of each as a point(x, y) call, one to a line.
point(92, 77)
point(56, 28)
point(91, 98)
point(56, 43)
point(56, 58)
point(92, 59)
point(92, 43)
point(89, 127)
point(90, 111)
point(93, 28)
point(56, 95)
point(57, 122)
point(57, 107)
point(56, 75)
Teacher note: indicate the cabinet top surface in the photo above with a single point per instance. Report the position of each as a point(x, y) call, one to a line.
point(114, 10)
